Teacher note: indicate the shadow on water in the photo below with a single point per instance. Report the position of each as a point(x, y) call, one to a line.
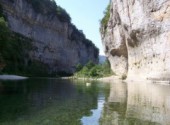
point(48, 101)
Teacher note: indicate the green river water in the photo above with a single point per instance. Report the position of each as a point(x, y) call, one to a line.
point(66, 102)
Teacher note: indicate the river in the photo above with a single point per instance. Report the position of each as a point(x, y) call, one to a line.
point(66, 102)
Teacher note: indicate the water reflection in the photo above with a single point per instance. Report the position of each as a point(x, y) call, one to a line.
point(48, 101)
point(96, 113)
point(63, 102)
point(137, 104)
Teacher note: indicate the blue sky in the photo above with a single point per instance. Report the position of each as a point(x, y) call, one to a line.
point(86, 15)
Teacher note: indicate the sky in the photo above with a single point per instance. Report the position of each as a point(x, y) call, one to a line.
point(86, 15)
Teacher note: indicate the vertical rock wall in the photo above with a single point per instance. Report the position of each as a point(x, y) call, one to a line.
point(58, 44)
point(137, 38)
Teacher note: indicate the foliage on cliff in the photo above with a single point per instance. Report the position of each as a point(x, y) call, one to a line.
point(53, 9)
point(49, 7)
point(1, 11)
point(14, 52)
point(106, 17)
point(77, 34)
point(93, 70)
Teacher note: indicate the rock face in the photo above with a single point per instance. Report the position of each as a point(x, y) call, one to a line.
point(137, 38)
point(56, 43)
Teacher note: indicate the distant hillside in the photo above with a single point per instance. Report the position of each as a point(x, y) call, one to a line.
point(102, 59)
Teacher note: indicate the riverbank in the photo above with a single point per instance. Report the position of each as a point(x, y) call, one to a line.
point(117, 78)
point(12, 77)
point(103, 79)
point(109, 78)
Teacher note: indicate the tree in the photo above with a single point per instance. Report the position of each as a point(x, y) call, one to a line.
point(106, 17)
point(90, 65)
point(79, 67)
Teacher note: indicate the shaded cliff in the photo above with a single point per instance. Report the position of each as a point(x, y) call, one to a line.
point(56, 42)
point(136, 38)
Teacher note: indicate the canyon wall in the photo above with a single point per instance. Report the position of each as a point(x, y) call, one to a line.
point(56, 42)
point(136, 38)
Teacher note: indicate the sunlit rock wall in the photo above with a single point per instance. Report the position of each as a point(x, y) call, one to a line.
point(137, 38)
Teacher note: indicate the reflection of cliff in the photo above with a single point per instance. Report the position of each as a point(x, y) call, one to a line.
point(116, 105)
point(149, 102)
point(140, 104)
point(118, 93)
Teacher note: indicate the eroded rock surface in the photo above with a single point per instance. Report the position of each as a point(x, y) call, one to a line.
point(56, 43)
point(137, 38)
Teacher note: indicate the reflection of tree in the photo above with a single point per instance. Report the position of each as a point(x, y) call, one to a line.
point(141, 104)
point(46, 102)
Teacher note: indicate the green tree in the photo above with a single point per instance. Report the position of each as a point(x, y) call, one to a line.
point(79, 67)
point(90, 65)
point(94, 70)
point(106, 67)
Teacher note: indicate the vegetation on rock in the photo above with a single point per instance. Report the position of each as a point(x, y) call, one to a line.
point(40, 6)
point(15, 48)
point(124, 76)
point(49, 7)
point(77, 34)
point(106, 17)
point(14, 57)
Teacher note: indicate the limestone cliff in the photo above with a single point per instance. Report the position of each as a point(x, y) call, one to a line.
point(56, 42)
point(136, 38)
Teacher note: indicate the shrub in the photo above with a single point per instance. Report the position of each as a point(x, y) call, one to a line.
point(79, 67)
point(63, 15)
point(124, 76)
point(106, 17)
point(49, 7)
point(90, 65)
point(94, 70)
